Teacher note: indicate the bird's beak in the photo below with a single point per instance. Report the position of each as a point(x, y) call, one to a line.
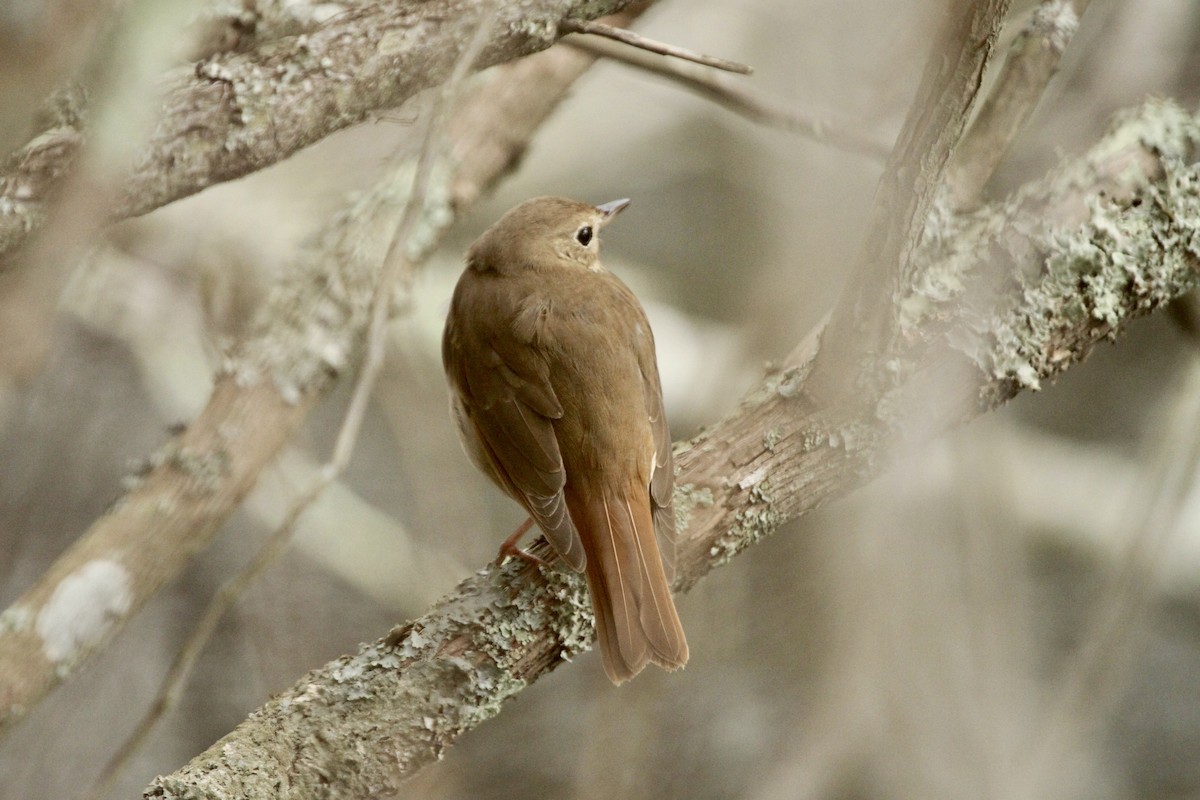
point(610, 210)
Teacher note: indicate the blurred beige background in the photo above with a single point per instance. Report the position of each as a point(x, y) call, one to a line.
point(919, 638)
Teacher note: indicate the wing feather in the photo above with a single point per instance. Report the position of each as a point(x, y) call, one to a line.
point(662, 476)
point(504, 393)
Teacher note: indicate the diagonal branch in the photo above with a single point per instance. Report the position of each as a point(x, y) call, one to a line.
point(1105, 239)
point(236, 113)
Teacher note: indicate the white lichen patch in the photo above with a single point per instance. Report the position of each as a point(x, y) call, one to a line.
point(16, 619)
point(1056, 21)
point(83, 608)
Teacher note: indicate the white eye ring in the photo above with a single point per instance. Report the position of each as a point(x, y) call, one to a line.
point(584, 235)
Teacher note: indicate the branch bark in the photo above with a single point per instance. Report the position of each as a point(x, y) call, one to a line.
point(1104, 239)
point(236, 113)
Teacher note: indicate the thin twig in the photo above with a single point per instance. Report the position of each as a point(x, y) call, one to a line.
point(276, 544)
point(742, 100)
point(225, 598)
point(632, 39)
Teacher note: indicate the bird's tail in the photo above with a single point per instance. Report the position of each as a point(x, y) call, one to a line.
point(636, 621)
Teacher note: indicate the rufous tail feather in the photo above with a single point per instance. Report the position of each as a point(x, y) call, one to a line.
point(636, 621)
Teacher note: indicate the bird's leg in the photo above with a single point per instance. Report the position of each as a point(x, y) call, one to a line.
point(509, 546)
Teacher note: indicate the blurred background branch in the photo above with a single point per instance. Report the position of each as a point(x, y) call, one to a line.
point(864, 326)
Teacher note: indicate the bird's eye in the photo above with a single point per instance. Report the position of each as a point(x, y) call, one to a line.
point(584, 235)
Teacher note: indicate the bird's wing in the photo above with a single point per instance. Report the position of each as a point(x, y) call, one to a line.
point(503, 390)
point(662, 477)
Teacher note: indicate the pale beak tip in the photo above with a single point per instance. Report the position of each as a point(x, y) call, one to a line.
point(611, 209)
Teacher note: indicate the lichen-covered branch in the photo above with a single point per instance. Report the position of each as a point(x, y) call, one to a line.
point(234, 113)
point(1103, 240)
point(310, 332)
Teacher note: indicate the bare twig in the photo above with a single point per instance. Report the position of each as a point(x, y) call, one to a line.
point(395, 265)
point(225, 598)
point(742, 100)
point(865, 323)
point(1032, 61)
point(121, 114)
point(632, 39)
point(309, 332)
point(399, 702)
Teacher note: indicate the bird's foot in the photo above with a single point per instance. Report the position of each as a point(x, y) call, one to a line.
point(510, 549)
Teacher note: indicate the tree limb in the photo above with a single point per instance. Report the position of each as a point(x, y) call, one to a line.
point(1102, 240)
point(236, 113)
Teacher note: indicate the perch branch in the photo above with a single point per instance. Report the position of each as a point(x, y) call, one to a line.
point(1104, 239)
point(741, 100)
point(236, 113)
point(632, 39)
point(310, 331)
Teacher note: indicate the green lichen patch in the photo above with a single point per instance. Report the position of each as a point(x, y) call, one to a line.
point(1026, 287)
point(1126, 259)
point(688, 497)
point(757, 520)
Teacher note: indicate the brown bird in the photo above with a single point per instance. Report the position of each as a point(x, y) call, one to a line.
point(555, 389)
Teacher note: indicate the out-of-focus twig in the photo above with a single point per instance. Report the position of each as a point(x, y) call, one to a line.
point(742, 100)
point(123, 89)
point(1031, 62)
point(42, 45)
point(640, 42)
point(1092, 679)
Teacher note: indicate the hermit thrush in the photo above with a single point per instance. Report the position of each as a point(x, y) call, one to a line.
point(555, 390)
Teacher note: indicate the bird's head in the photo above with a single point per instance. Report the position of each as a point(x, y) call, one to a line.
point(544, 231)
